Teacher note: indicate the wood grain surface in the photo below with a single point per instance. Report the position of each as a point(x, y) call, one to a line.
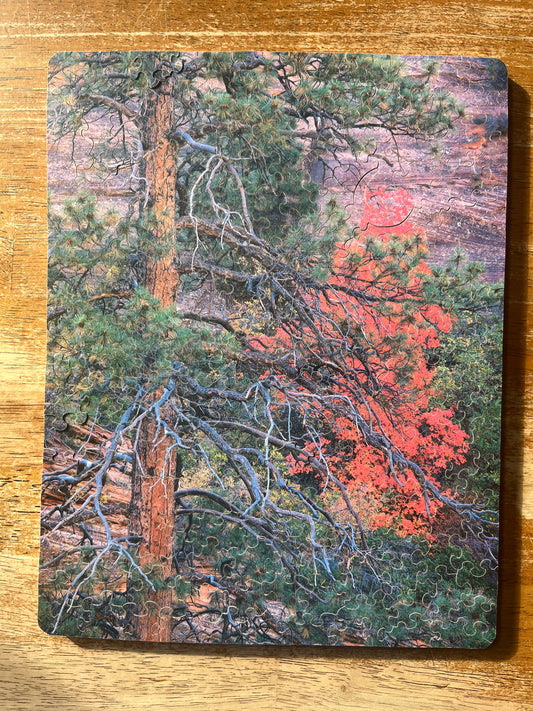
point(41, 672)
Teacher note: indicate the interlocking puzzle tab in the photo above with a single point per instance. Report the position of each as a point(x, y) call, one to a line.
point(274, 354)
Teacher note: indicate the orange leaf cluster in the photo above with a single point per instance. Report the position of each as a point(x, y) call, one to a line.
point(376, 316)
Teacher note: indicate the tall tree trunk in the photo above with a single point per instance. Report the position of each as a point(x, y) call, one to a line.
point(152, 504)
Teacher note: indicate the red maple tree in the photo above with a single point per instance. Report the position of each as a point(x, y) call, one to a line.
point(376, 314)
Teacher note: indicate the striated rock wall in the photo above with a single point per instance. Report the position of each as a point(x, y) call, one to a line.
point(458, 181)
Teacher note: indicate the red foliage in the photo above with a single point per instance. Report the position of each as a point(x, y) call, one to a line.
point(379, 320)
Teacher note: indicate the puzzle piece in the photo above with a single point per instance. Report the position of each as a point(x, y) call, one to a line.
point(274, 366)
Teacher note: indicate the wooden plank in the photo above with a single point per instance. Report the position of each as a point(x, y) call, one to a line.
point(40, 672)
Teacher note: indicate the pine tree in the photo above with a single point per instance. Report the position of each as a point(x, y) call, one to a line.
point(216, 157)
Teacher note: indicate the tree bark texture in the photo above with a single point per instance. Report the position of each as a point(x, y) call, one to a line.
point(152, 504)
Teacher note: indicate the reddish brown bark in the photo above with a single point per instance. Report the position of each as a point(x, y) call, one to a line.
point(152, 505)
point(152, 518)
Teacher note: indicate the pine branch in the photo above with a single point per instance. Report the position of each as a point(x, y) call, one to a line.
point(182, 135)
point(113, 104)
point(112, 295)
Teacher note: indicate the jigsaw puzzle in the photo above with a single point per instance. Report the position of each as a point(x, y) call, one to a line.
point(274, 348)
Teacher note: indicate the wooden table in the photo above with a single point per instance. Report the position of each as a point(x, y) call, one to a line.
point(41, 672)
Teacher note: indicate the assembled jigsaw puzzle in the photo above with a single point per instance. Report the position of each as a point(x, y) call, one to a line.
point(274, 348)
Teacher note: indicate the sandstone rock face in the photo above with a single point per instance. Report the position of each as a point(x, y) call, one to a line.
point(458, 181)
